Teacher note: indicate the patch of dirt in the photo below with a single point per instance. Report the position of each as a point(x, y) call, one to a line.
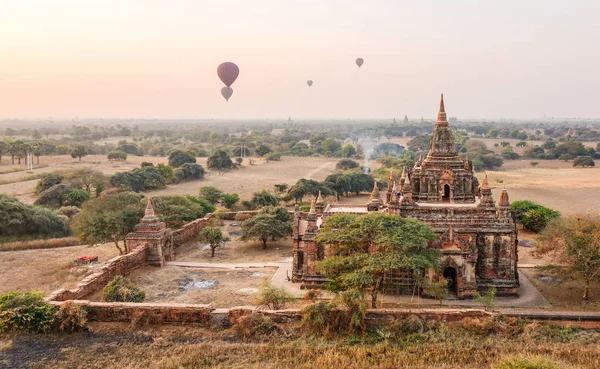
point(235, 250)
point(563, 289)
point(50, 269)
point(218, 287)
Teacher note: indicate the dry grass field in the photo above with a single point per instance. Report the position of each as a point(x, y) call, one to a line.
point(48, 270)
point(244, 181)
point(119, 345)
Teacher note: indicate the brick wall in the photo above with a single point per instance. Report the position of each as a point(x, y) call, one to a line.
point(120, 265)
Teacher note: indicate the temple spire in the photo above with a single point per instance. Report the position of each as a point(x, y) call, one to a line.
point(320, 199)
point(441, 118)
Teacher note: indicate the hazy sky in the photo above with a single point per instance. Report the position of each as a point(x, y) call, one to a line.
point(158, 59)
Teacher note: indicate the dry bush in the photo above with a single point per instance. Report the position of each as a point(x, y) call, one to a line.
point(50, 243)
point(312, 295)
point(255, 325)
point(274, 298)
point(71, 317)
point(344, 314)
point(410, 324)
point(121, 289)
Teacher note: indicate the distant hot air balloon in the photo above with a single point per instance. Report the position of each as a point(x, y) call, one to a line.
point(359, 62)
point(228, 72)
point(227, 92)
point(309, 82)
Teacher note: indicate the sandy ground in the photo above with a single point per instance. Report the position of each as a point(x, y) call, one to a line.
point(218, 287)
point(236, 251)
point(48, 270)
point(563, 290)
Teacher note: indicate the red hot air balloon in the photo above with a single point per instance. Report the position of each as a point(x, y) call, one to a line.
point(227, 92)
point(309, 82)
point(359, 62)
point(228, 72)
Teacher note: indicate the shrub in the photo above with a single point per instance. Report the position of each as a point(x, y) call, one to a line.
point(255, 325)
point(312, 295)
point(54, 196)
point(584, 161)
point(412, 324)
point(121, 289)
point(274, 298)
point(534, 163)
point(346, 164)
point(26, 311)
point(76, 197)
point(117, 155)
point(533, 362)
point(230, 199)
point(47, 181)
point(344, 314)
point(263, 198)
point(488, 299)
point(69, 211)
point(212, 194)
point(71, 318)
point(248, 205)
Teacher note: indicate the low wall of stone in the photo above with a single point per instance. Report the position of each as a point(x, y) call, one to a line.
point(205, 315)
point(120, 265)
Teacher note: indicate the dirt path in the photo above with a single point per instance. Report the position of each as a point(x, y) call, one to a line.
point(310, 174)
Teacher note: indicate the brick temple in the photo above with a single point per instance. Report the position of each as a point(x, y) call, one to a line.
point(477, 236)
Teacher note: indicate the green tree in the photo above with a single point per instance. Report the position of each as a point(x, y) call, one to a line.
point(263, 198)
point(306, 187)
point(18, 219)
point(213, 237)
point(346, 164)
point(583, 161)
point(109, 219)
point(219, 161)
point(330, 147)
point(263, 150)
point(37, 149)
point(365, 248)
point(117, 155)
point(79, 152)
point(230, 199)
point(264, 226)
point(166, 171)
point(188, 172)
point(176, 210)
point(348, 151)
point(212, 194)
point(3, 149)
point(438, 290)
point(574, 241)
point(280, 187)
point(87, 179)
point(532, 216)
point(177, 158)
point(75, 197)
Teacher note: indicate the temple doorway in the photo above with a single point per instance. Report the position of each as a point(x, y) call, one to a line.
point(446, 196)
point(450, 276)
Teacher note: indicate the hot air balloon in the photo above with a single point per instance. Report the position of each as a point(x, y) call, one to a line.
point(227, 92)
point(228, 72)
point(309, 82)
point(359, 62)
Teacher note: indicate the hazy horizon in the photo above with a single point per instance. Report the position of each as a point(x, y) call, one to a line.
point(158, 59)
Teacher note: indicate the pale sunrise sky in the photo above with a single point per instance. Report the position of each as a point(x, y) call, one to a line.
point(158, 58)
